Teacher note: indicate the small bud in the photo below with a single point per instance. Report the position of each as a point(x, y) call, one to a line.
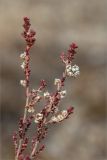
point(69, 74)
point(68, 67)
point(38, 97)
point(46, 94)
point(23, 83)
point(31, 110)
point(33, 90)
point(63, 93)
point(64, 113)
point(56, 110)
point(23, 65)
point(60, 117)
point(70, 110)
point(27, 158)
point(57, 81)
point(23, 55)
point(74, 46)
point(38, 117)
point(68, 70)
point(43, 83)
point(54, 119)
point(36, 121)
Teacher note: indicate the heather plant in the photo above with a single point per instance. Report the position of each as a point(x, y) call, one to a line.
point(28, 147)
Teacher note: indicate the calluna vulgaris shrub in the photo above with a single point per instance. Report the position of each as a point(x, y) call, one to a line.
point(28, 148)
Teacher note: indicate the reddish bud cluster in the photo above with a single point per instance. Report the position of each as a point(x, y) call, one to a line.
point(63, 80)
point(35, 96)
point(28, 34)
point(29, 37)
point(56, 99)
point(71, 52)
point(21, 157)
point(24, 145)
point(15, 140)
point(26, 24)
point(41, 131)
point(42, 84)
point(21, 126)
point(27, 69)
point(42, 147)
point(28, 123)
point(69, 56)
point(27, 158)
point(70, 110)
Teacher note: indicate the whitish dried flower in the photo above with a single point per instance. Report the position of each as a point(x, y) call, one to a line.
point(31, 110)
point(33, 90)
point(68, 67)
point(23, 83)
point(56, 110)
point(23, 55)
point(72, 70)
point(70, 74)
point(77, 73)
point(75, 70)
point(57, 81)
point(64, 113)
point(38, 117)
point(68, 70)
point(38, 97)
point(63, 93)
point(46, 94)
point(23, 65)
point(36, 121)
point(54, 119)
point(60, 117)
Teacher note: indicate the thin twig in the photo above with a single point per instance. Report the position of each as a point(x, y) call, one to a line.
point(34, 149)
point(24, 119)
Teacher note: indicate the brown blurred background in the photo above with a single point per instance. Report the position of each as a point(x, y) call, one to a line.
point(57, 23)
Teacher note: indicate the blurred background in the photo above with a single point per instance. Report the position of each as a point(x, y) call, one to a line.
point(57, 23)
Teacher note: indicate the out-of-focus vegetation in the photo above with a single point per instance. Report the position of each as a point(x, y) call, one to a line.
point(57, 24)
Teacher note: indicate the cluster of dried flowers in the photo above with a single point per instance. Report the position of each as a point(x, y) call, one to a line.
point(50, 114)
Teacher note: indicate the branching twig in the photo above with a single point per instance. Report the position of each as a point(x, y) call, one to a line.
point(50, 114)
